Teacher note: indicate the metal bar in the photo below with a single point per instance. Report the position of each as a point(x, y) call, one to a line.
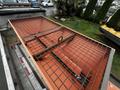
point(40, 34)
point(40, 41)
point(40, 54)
point(107, 70)
point(24, 66)
point(82, 78)
point(33, 70)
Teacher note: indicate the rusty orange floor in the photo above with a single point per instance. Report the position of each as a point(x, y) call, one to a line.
point(80, 54)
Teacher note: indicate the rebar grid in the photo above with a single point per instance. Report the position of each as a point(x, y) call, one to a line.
point(88, 57)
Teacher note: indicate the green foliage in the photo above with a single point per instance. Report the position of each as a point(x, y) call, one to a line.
point(103, 11)
point(89, 9)
point(69, 7)
point(75, 8)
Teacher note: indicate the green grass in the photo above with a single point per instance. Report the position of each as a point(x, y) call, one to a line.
point(92, 30)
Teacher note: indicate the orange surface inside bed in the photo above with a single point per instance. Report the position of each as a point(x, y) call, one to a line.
point(81, 55)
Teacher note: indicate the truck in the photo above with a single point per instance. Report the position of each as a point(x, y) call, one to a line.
point(64, 58)
point(111, 28)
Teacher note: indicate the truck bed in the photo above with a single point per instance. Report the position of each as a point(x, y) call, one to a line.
point(65, 59)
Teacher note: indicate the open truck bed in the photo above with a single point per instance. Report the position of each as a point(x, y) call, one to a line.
point(111, 34)
point(65, 59)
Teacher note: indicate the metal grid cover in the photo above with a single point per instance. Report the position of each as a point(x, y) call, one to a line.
point(68, 61)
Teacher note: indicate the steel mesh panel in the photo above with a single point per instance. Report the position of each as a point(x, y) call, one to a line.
point(77, 57)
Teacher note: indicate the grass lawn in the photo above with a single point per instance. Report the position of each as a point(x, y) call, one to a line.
point(92, 30)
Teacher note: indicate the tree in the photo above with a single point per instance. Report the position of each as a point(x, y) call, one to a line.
point(115, 21)
point(70, 7)
point(64, 7)
point(60, 4)
point(79, 5)
point(89, 9)
point(104, 9)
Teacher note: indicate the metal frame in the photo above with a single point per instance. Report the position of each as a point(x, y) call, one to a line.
point(109, 64)
point(110, 36)
point(81, 77)
point(40, 54)
point(105, 82)
point(40, 34)
point(106, 76)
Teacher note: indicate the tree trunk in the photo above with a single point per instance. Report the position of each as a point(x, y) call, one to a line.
point(61, 8)
point(89, 9)
point(115, 21)
point(103, 11)
point(79, 6)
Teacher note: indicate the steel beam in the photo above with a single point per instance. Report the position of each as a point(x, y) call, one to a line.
point(40, 34)
point(81, 78)
point(40, 54)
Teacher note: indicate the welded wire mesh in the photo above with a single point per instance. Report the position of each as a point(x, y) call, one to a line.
point(76, 64)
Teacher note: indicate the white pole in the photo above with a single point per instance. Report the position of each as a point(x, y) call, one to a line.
point(6, 66)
